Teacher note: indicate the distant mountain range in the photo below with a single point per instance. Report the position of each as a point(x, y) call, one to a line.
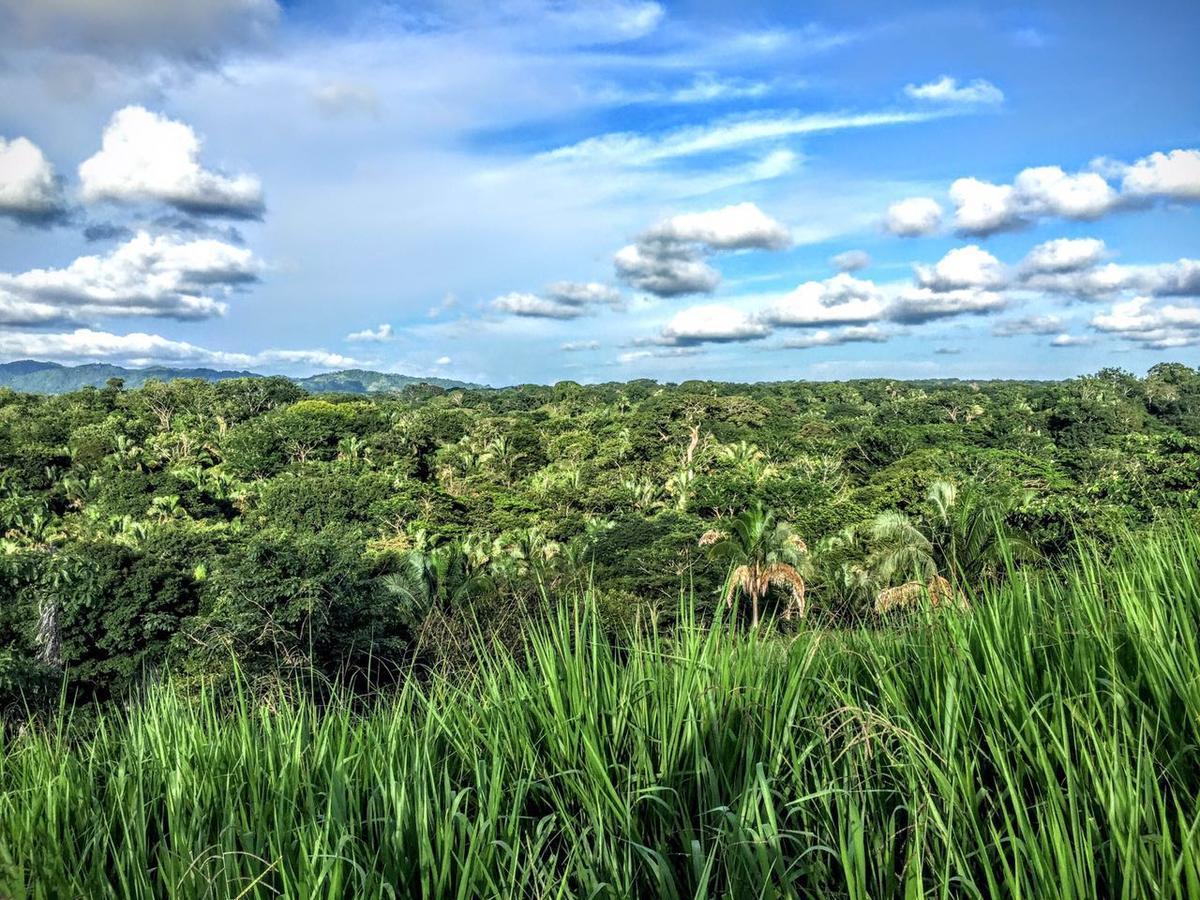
point(52, 378)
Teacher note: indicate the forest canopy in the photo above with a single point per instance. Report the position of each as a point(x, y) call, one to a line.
point(193, 525)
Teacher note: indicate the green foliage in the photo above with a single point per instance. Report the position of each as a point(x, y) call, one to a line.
point(1044, 744)
point(308, 515)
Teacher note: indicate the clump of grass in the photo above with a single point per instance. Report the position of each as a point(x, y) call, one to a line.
point(1046, 743)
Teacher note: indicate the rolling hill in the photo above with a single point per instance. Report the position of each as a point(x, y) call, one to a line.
point(33, 376)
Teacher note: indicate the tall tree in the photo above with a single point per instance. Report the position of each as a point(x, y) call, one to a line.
point(762, 553)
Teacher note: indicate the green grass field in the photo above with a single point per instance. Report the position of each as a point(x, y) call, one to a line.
point(1045, 744)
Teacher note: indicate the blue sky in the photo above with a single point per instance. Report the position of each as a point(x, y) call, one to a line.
point(532, 191)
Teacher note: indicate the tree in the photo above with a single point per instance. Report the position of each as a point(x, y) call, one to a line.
point(962, 536)
point(442, 577)
point(762, 553)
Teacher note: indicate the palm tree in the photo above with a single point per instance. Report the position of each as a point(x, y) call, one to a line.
point(762, 554)
point(963, 537)
point(439, 577)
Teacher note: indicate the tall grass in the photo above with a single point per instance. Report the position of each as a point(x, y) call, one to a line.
point(1046, 744)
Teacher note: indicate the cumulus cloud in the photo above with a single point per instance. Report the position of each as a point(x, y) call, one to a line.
point(914, 217)
point(840, 300)
point(1177, 279)
point(23, 313)
point(983, 208)
point(1064, 255)
point(921, 304)
point(1044, 192)
point(1086, 283)
point(140, 348)
point(948, 90)
point(146, 276)
point(1049, 191)
point(125, 31)
point(378, 335)
point(1145, 322)
point(850, 260)
point(145, 157)
point(579, 346)
point(30, 191)
point(854, 334)
point(665, 270)
point(667, 259)
point(1174, 175)
point(742, 226)
point(560, 300)
point(964, 268)
point(1072, 267)
point(711, 323)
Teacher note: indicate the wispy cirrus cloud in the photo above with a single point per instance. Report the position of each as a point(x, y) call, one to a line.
point(636, 149)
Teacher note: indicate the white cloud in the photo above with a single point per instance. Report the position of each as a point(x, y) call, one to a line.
point(1174, 175)
point(1071, 340)
point(560, 300)
point(1177, 279)
point(579, 346)
point(443, 361)
point(667, 259)
point(1087, 283)
point(948, 90)
point(1151, 326)
point(1040, 192)
point(916, 305)
point(633, 356)
point(23, 313)
point(583, 293)
point(30, 192)
point(711, 323)
point(1064, 255)
point(1028, 325)
point(633, 149)
point(984, 208)
point(145, 157)
point(139, 348)
point(850, 260)
point(378, 335)
point(840, 300)
point(665, 270)
point(914, 217)
point(706, 87)
point(1070, 267)
point(742, 226)
point(1049, 191)
point(160, 276)
point(521, 303)
point(963, 268)
point(850, 335)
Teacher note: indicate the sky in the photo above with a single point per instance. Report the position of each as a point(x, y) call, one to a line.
point(526, 191)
